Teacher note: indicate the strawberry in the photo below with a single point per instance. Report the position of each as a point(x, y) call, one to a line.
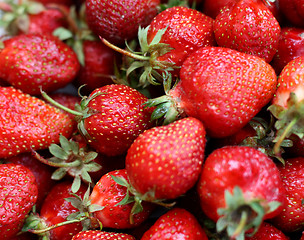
point(112, 117)
point(290, 47)
point(171, 36)
point(292, 217)
point(18, 194)
point(287, 104)
point(55, 211)
point(41, 172)
point(64, 2)
point(221, 87)
point(32, 17)
point(29, 123)
point(268, 232)
point(116, 213)
point(95, 234)
point(177, 223)
point(111, 20)
point(293, 10)
point(49, 63)
point(157, 168)
point(248, 26)
point(239, 187)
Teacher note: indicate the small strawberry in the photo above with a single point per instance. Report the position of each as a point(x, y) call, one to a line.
point(248, 26)
point(287, 104)
point(32, 17)
point(116, 212)
point(268, 232)
point(112, 117)
point(165, 162)
point(18, 194)
point(29, 123)
point(177, 223)
point(95, 234)
point(291, 46)
point(111, 19)
point(292, 217)
point(221, 87)
point(53, 221)
point(33, 61)
point(239, 187)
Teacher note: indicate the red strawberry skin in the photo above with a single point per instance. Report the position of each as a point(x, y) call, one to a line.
point(120, 117)
point(111, 19)
point(29, 123)
point(292, 217)
point(95, 234)
point(108, 193)
point(248, 26)
point(45, 62)
point(223, 88)
point(293, 10)
point(177, 223)
point(18, 194)
point(268, 232)
point(245, 167)
point(181, 23)
point(167, 160)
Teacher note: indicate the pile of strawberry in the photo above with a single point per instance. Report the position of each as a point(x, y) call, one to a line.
point(152, 119)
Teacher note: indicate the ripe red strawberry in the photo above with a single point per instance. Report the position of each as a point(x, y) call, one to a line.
point(111, 19)
point(116, 213)
point(239, 182)
point(29, 123)
point(32, 61)
point(268, 232)
point(291, 46)
point(41, 171)
point(221, 87)
point(164, 162)
point(287, 103)
point(54, 211)
point(112, 117)
point(248, 26)
point(18, 194)
point(177, 223)
point(293, 10)
point(33, 17)
point(292, 217)
point(171, 36)
point(65, 2)
point(95, 234)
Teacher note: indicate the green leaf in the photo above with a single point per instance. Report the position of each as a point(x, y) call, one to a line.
point(86, 176)
point(58, 152)
point(63, 33)
point(121, 181)
point(59, 174)
point(76, 184)
point(95, 208)
point(65, 143)
point(90, 156)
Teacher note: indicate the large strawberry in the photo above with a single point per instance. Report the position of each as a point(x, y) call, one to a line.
point(18, 194)
point(111, 19)
point(115, 212)
point(31, 61)
point(112, 117)
point(287, 104)
point(29, 123)
point(292, 217)
point(171, 36)
point(165, 162)
point(248, 26)
point(177, 223)
point(32, 17)
point(95, 234)
point(221, 87)
point(239, 187)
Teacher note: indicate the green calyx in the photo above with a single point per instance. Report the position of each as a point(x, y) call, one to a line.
point(147, 58)
point(69, 158)
point(241, 215)
point(15, 15)
point(289, 121)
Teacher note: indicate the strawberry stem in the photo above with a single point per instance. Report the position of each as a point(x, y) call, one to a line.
point(276, 148)
point(52, 101)
point(124, 52)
